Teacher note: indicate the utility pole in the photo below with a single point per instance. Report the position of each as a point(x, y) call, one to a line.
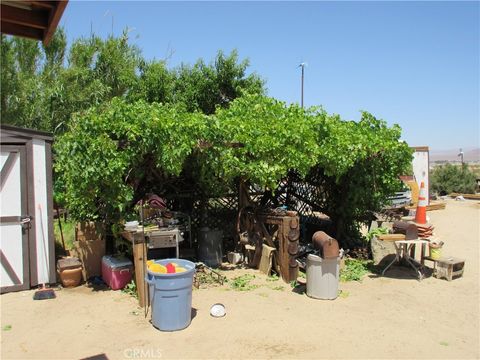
point(302, 65)
point(461, 155)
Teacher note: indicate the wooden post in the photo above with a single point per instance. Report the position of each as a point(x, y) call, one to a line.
point(139, 262)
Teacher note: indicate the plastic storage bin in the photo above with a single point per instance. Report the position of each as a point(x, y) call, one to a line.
point(171, 296)
point(116, 271)
point(322, 277)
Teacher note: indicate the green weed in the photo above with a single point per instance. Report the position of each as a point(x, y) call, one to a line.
point(242, 283)
point(130, 289)
point(68, 230)
point(375, 232)
point(355, 269)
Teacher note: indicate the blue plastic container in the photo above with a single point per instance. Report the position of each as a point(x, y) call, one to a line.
point(171, 296)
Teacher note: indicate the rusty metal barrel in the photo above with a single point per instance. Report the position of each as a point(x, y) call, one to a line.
point(327, 245)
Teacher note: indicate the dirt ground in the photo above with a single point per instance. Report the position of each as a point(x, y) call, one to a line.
point(394, 317)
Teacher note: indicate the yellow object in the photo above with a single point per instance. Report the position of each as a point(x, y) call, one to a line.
point(435, 253)
point(157, 268)
point(150, 262)
point(180, 269)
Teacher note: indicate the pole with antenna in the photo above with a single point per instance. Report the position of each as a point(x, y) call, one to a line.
point(461, 155)
point(302, 65)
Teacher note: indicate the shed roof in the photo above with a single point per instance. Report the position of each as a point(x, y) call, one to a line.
point(9, 131)
point(31, 19)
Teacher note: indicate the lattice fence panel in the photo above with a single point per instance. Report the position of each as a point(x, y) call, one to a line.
point(306, 196)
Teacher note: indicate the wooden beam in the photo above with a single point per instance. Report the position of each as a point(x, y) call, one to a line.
point(31, 18)
point(55, 16)
point(21, 30)
point(42, 4)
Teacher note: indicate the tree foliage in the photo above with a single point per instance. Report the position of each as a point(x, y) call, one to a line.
point(42, 87)
point(450, 178)
point(128, 123)
point(108, 154)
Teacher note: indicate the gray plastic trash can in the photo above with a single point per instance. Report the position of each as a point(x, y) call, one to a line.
point(322, 277)
point(171, 296)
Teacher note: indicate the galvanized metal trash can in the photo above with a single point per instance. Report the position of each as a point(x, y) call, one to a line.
point(210, 249)
point(322, 277)
point(171, 296)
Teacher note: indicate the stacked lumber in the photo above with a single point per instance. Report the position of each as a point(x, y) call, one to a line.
point(466, 196)
point(409, 229)
point(434, 205)
point(424, 231)
point(413, 230)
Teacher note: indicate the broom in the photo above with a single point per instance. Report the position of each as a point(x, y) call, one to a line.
point(44, 293)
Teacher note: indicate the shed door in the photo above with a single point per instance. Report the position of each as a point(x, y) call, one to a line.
point(14, 222)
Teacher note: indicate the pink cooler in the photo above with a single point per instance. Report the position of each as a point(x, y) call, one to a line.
point(116, 271)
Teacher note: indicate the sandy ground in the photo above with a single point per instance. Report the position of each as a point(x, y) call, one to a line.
point(394, 317)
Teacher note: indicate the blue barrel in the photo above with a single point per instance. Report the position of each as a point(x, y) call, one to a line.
point(171, 296)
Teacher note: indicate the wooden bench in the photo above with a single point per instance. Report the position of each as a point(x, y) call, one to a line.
point(447, 267)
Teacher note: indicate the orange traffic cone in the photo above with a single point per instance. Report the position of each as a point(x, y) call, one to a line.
point(421, 214)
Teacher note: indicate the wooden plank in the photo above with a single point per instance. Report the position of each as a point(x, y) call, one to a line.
point(42, 4)
point(55, 16)
point(31, 18)
point(436, 205)
point(430, 207)
point(391, 237)
point(266, 259)
point(466, 196)
point(21, 30)
point(139, 263)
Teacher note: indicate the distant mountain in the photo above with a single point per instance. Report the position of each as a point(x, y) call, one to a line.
point(469, 154)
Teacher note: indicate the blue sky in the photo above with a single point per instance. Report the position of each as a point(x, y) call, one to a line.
point(412, 63)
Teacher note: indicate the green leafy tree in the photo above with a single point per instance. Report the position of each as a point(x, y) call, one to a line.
point(42, 87)
point(275, 139)
point(110, 152)
point(450, 178)
point(201, 87)
point(256, 139)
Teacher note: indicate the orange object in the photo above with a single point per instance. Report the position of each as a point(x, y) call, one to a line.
point(170, 268)
point(157, 268)
point(71, 277)
point(421, 214)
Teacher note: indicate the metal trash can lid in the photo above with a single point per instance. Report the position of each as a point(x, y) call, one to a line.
point(115, 262)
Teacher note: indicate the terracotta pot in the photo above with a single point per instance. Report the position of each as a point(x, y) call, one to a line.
point(71, 277)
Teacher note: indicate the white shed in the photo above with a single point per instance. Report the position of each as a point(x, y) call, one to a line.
point(421, 167)
point(27, 248)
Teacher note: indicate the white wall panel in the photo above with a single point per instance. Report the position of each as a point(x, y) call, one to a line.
point(11, 234)
point(41, 219)
point(420, 165)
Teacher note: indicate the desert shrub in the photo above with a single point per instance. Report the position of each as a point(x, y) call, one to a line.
point(450, 178)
